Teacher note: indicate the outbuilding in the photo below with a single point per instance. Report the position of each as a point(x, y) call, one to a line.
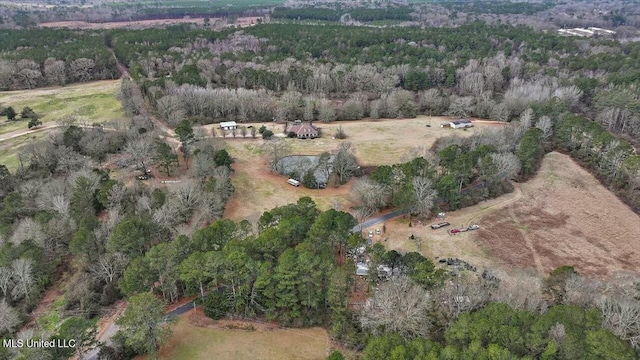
point(228, 125)
point(462, 123)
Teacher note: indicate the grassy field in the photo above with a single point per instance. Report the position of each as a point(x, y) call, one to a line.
point(380, 142)
point(563, 216)
point(193, 343)
point(92, 102)
point(9, 149)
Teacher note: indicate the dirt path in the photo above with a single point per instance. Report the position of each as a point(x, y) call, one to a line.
point(523, 231)
point(18, 133)
point(564, 217)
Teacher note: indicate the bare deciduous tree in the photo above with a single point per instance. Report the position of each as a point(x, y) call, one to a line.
point(546, 125)
point(398, 306)
point(344, 163)
point(507, 165)
point(141, 152)
point(9, 319)
point(622, 317)
point(23, 278)
point(368, 194)
point(424, 195)
point(520, 290)
point(462, 295)
point(109, 266)
point(276, 150)
point(6, 282)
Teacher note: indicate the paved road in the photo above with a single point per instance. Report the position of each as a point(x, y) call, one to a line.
point(378, 219)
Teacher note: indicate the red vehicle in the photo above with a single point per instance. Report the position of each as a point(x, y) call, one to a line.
point(454, 231)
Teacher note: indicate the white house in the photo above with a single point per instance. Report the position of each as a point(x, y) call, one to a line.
point(228, 125)
point(462, 123)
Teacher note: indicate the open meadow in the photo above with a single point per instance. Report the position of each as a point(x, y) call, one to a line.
point(92, 102)
point(563, 216)
point(379, 142)
point(195, 342)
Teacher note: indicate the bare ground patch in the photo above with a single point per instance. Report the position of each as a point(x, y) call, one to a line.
point(565, 217)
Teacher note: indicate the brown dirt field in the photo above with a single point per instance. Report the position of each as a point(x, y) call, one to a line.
point(379, 142)
point(563, 216)
point(242, 22)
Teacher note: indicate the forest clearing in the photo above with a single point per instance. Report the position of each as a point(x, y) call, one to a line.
point(561, 216)
point(375, 142)
point(91, 102)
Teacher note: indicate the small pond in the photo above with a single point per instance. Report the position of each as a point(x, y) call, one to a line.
point(300, 164)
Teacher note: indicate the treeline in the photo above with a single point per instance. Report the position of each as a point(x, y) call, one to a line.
point(500, 332)
point(462, 172)
point(358, 14)
point(60, 203)
point(33, 58)
point(614, 161)
point(497, 7)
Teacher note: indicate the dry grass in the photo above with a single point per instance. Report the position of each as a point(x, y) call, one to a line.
point(563, 216)
point(192, 342)
point(380, 142)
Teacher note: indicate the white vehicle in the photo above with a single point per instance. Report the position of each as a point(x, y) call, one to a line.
point(293, 182)
point(473, 227)
point(370, 234)
point(378, 232)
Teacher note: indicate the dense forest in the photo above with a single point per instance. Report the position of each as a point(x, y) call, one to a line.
point(61, 211)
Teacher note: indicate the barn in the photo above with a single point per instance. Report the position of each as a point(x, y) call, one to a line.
point(228, 125)
point(460, 124)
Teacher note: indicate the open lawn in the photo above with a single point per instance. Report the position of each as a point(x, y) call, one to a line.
point(193, 343)
point(379, 142)
point(563, 216)
point(9, 149)
point(93, 102)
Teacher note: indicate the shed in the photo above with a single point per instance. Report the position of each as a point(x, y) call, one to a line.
point(362, 269)
point(228, 125)
point(462, 123)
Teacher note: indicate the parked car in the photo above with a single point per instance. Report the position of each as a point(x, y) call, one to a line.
point(473, 227)
point(143, 177)
point(439, 225)
point(370, 234)
point(378, 232)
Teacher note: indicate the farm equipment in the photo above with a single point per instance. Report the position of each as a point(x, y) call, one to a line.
point(439, 225)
